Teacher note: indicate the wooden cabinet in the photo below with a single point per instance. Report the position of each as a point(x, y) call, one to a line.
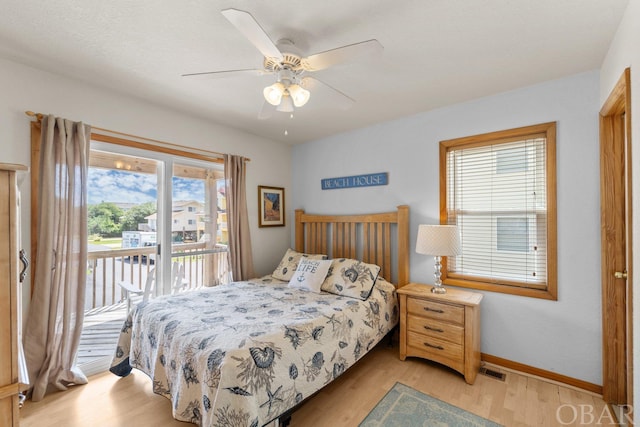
point(9, 272)
point(444, 328)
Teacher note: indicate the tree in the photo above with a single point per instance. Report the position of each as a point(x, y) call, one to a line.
point(104, 219)
point(137, 215)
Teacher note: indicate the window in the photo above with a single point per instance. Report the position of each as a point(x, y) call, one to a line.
point(512, 234)
point(499, 188)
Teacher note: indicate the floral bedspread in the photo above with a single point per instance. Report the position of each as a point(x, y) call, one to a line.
point(244, 353)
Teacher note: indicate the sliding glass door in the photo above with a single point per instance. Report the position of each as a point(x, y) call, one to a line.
point(157, 222)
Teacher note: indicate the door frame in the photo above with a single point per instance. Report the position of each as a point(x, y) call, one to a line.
point(616, 234)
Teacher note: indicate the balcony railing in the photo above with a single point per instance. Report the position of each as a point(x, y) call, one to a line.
point(202, 267)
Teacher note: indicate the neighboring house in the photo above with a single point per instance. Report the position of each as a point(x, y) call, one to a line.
point(186, 216)
point(152, 223)
point(186, 219)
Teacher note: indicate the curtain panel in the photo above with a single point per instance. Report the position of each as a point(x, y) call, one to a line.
point(240, 255)
point(56, 314)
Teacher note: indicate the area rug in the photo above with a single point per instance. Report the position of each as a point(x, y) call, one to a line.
point(404, 406)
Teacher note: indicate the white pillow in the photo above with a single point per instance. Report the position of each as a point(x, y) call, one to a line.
point(310, 274)
point(289, 263)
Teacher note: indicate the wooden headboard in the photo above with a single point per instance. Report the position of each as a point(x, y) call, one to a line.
point(367, 237)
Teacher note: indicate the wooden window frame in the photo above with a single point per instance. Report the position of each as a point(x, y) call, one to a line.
point(547, 130)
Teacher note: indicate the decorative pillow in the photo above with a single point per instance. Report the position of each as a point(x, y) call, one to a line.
point(310, 274)
point(289, 263)
point(351, 278)
point(384, 285)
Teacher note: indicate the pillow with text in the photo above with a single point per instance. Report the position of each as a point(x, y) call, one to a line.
point(310, 274)
point(289, 264)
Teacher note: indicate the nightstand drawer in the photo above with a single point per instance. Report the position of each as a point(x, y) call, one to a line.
point(435, 328)
point(436, 310)
point(430, 346)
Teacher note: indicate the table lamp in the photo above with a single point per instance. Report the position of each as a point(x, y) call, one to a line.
point(438, 241)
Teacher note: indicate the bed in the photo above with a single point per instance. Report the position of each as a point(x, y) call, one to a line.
point(247, 353)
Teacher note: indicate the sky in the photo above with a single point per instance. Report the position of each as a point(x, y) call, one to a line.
point(108, 185)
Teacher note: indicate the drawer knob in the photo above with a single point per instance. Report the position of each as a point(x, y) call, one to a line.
point(437, 347)
point(429, 328)
point(435, 310)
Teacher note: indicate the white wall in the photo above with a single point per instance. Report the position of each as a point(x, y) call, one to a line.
point(561, 336)
point(623, 53)
point(23, 88)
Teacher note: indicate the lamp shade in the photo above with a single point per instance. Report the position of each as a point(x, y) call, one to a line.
point(299, 95)
point(286, 104)
point(438, 240)
point(273, 93)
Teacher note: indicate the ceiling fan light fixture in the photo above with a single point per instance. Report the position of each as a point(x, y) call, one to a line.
point(273, 94)
point(299, 95)
point(286, 61)
point(286, 105)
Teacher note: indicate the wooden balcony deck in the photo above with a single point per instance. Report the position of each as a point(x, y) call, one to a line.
point(100, 332)
point(105, 315)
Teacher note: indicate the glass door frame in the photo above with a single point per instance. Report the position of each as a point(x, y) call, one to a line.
point(165, 162)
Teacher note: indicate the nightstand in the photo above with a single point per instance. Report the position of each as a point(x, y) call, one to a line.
point(444, 328)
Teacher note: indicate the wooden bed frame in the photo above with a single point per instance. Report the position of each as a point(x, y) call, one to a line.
point(371, 238)
point(367, 237)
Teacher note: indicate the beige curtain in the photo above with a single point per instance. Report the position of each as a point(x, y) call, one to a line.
point(240, 257)
point(56, 313)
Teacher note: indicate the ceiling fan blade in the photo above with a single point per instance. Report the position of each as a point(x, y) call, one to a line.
point(266, 111)
point(341, 99)
point(228, 73)
point(326, 59)
point(247, 25)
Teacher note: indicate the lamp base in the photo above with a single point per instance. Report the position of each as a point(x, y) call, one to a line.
point(437, 283)
point(438, 290)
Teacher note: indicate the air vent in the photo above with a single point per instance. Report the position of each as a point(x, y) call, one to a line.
point(493, 374)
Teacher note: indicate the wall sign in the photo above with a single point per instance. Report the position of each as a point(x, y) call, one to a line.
point(368, 180)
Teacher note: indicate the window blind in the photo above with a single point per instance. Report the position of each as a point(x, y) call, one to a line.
point(496, 194)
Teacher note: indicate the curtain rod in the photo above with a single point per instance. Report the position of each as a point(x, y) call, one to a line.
point(39, 116)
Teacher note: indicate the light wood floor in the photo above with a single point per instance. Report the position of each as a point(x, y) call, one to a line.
point(518, 401)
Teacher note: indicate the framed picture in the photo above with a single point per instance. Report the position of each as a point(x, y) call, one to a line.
point(270, 206)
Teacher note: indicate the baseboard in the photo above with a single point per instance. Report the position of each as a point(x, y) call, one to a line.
point(552, 376)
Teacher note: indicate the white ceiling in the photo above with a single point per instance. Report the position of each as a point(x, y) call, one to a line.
point(436, 52)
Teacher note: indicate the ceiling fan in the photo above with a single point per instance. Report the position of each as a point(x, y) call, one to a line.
point(293, 86)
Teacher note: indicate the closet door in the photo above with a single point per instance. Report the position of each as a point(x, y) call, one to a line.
point(9, 271)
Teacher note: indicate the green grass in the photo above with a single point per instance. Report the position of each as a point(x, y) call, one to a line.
point(112, 242)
